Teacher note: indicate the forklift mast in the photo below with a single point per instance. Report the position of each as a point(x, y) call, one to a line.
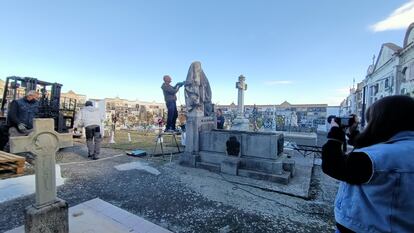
point(49, 101)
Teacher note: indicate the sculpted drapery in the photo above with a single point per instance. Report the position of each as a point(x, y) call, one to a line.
point(197, 90)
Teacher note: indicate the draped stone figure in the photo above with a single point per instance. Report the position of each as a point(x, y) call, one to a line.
point(197, 90)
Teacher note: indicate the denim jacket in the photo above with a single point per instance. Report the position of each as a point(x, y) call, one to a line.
point(27, 111)
point(386, 202)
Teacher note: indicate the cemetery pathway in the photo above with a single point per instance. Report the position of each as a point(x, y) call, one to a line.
point(183, 199)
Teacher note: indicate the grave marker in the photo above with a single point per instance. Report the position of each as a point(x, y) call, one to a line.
point(49, 214)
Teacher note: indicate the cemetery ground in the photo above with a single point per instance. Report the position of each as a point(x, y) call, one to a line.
point(178, 198)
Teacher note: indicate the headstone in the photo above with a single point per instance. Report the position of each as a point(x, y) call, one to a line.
point(240, 123)
point(255, 118)
point(294, 119)
point(112, 140)
point(102, 110)
point(49, 213)
point(269, 122)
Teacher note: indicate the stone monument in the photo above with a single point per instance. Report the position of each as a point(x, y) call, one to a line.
point(255, 114)
point(198, 91)
point(240, 123)
point(49, 213)
point(240, 152)
point(294, 119)
point(199, 111)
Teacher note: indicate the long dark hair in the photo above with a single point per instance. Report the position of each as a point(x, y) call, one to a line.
point(387, 117)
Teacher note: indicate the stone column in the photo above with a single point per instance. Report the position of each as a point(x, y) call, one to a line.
point(192, 140)
point(241, 86)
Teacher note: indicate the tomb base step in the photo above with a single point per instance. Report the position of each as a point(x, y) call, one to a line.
point(211, 157)
point(284, 178)
point(213, 167)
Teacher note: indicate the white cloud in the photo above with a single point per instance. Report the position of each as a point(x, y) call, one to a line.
point(401, 18)
point(278, 82)
point(342, 91)
point(336, 96)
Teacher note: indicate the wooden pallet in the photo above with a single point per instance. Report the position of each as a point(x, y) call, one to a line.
point(11, 162)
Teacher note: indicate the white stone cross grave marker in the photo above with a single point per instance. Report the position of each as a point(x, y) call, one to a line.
point(43, 142)
point(240, 123)
point(241, 86)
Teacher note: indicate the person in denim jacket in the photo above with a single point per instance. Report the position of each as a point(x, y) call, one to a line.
point(377, 176)
point(21, 114)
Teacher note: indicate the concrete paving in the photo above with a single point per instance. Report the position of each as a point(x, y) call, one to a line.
point(184, 199)
point(97, 215)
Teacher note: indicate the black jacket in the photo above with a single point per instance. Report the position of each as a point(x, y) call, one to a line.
point(354, 168)
point(169, 92)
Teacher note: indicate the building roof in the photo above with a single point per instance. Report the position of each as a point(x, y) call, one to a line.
point(383, 55)
point(278, 106)
point(407, 34)
point(393, 46)
point(285, 104)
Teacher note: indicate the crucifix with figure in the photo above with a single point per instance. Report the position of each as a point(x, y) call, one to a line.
point(44, 142)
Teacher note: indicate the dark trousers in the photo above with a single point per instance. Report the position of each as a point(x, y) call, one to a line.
point(93, 139)
point(172, 115)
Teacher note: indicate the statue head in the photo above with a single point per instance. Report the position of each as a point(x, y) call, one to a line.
point(195, 73)
point(197, 66)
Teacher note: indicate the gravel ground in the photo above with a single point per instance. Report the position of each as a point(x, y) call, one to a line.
point(184, 199)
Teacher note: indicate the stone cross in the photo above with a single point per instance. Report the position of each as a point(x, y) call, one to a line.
point(241, 86)
point(43, 142)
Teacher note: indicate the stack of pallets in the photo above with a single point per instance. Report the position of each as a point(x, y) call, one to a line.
point(11, 162)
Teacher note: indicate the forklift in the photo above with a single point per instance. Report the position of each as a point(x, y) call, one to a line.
point(50, 103)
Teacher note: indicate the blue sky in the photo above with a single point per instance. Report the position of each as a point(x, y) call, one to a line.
point(299, 51)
